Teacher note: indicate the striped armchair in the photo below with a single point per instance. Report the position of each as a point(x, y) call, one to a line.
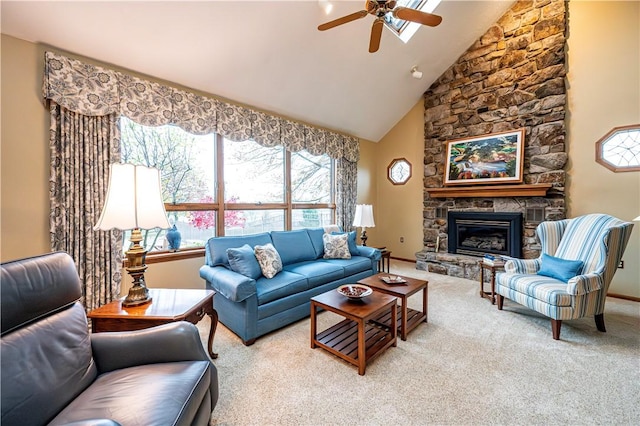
point(598, 240)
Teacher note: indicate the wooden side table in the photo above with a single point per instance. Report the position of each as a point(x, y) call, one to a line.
point(408, 318)
point(492, 279)
point(385, 254)
point(167, 305)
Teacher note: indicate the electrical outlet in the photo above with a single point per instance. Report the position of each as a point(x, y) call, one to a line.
point(402, 239)
point(621, 264)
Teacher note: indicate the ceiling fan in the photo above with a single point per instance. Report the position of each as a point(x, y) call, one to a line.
point(380, 9)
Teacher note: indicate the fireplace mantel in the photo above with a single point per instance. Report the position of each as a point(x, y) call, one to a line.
point(530, 190)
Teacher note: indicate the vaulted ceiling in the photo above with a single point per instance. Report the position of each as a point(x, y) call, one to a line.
point(266, 54)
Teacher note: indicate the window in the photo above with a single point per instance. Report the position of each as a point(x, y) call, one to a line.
point(399, 171)
point(619, 149)
point(405, 29)
point(213, 186)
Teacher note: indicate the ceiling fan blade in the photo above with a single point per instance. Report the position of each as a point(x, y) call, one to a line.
point(413, 15)
point(343, 20)
point(376, 35)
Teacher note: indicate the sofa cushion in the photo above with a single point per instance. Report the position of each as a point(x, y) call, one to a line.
point(351, 241)
point(144, 395)
point(217, 247)
point(317, 271)
point(269, 259)
point(293, 246)
point(315, 234)
point(336, 246)
point(351, 266)
point(243, 261)
point(284, 284)
point(560, 269)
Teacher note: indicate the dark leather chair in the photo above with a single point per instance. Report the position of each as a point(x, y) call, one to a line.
point(55, 372)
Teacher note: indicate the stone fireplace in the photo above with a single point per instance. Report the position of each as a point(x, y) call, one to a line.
point(512, 77)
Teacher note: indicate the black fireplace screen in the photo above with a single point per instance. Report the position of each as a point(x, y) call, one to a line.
point(476, 234)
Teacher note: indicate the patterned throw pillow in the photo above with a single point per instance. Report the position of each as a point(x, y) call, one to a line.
point(336, 246)
point(269, 259)
point(353, 246)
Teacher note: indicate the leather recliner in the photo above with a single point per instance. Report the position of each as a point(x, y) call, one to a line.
point(55, 372)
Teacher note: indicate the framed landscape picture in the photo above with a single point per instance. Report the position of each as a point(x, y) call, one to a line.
point(488, 159)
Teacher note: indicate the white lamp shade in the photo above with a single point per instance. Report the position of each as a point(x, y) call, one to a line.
point(364, 216)
point(134, 199)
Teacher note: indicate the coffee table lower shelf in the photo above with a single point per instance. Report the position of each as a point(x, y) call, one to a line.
point(413, 318)
point(342, 339)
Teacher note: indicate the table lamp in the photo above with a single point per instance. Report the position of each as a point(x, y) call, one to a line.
point(134, 201)
point(364, 219)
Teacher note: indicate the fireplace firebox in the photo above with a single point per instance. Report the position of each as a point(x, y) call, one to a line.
point(478, 233)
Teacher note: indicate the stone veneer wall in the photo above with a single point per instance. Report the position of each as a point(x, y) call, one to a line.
point(512, 77)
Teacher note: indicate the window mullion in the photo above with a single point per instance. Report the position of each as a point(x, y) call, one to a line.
point(219, 151)
point(287, 192)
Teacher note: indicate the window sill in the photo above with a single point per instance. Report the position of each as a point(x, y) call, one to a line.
point(170, 256)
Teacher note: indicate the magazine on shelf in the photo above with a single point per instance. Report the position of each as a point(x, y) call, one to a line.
point(493, 260)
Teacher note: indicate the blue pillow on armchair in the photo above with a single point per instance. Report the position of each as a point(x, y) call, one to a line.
point(560, 269)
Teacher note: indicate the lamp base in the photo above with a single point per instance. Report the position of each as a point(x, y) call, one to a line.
point(138, 295)
point(364, 237)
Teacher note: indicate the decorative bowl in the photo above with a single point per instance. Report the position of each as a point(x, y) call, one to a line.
point(354, 291)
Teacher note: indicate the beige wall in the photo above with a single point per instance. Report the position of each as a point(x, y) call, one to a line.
point(25, 152)
point(399, 207)
point(604, 92)
point(367, 184)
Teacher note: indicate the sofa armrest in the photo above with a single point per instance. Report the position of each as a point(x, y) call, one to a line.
point(522, 266)
point(173, 342)
point(370, 252)
point(235, 287)
point(583, 284)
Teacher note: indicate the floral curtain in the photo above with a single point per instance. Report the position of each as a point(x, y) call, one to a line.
point(82, 148)
point(346, 193)
point(92, 91)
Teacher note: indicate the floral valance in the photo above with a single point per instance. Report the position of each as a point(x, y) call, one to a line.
point(92, 90)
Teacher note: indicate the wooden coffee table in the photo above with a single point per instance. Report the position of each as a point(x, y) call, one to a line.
point(167, 305)
point(408, 318)
point(356, 339)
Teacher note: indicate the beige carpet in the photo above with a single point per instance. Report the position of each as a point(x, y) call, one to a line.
point(470, 364)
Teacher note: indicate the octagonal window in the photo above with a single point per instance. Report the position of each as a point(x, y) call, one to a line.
point(619, 150)
point(399, 171)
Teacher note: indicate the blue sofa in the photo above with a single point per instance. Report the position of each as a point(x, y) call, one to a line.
point(253, 306)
